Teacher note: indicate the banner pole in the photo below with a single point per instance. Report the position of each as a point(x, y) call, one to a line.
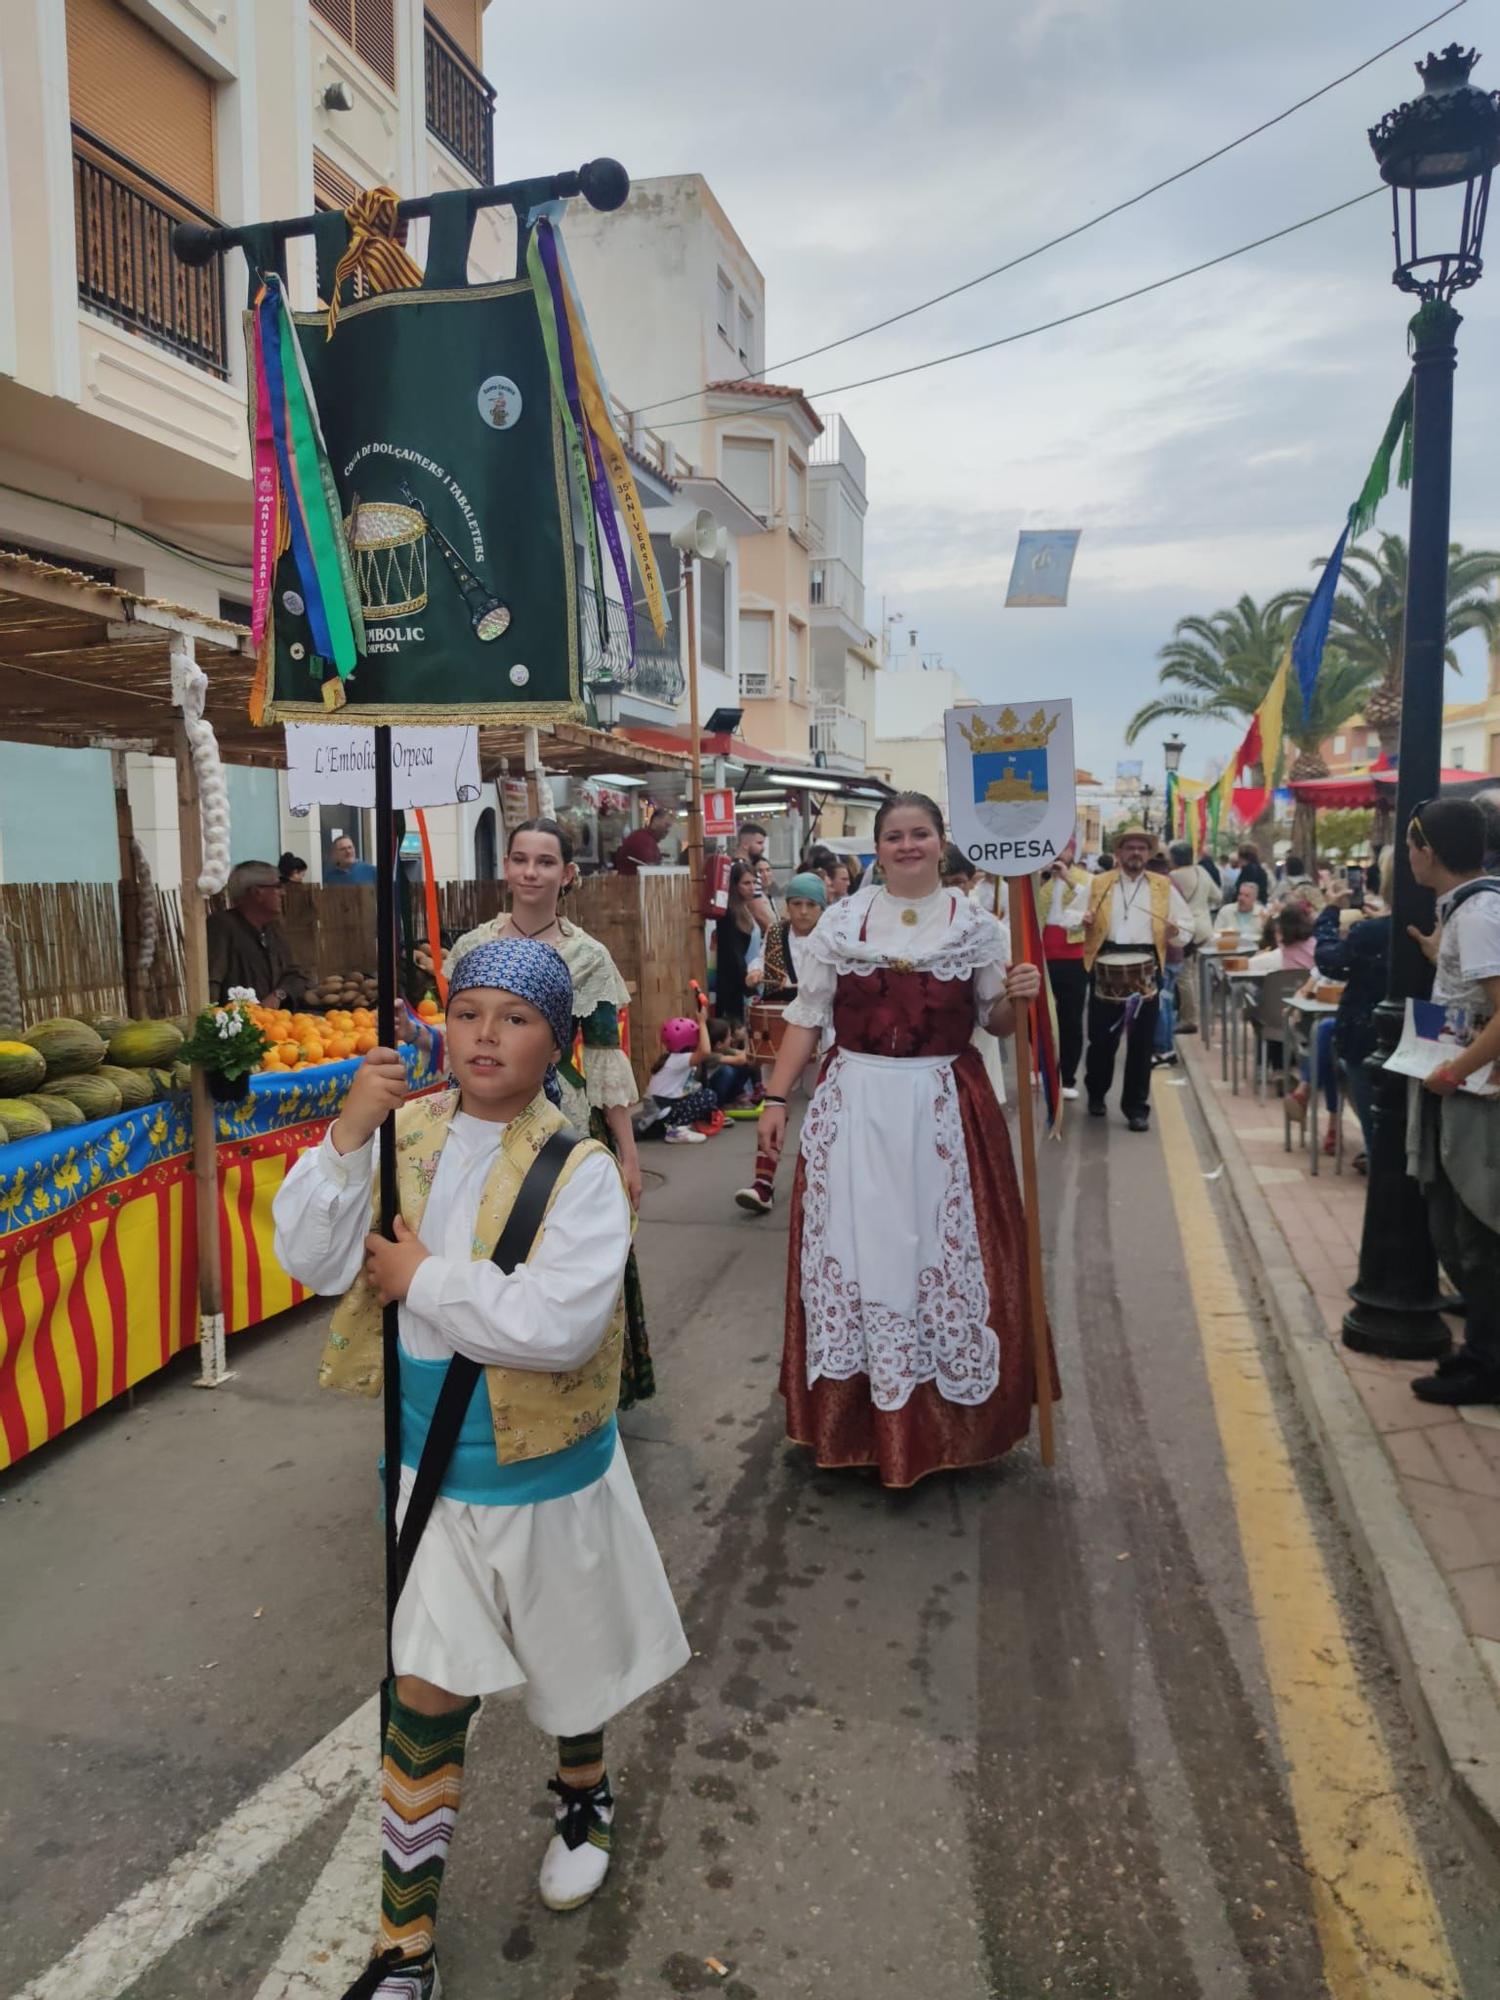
point(1041, 1354)
point(385, 1016)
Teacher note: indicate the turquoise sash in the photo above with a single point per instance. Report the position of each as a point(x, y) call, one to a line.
point(474, 1475)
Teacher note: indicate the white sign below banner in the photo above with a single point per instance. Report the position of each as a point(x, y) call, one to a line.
point(1012, 793)
point(334, 765)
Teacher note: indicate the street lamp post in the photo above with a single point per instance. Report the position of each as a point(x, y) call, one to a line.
point(1148, 793)
point(1171, 756)
point(1441, 147)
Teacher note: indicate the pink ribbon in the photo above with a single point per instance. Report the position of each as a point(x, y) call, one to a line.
point(263, 502)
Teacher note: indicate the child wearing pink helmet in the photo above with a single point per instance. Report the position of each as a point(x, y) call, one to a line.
point(674, 1092)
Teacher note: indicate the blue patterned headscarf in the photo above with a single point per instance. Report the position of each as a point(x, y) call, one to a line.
point(533, 972)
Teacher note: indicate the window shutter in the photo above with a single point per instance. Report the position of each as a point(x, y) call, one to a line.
point(332, 187)
point(747, 473)
point(460, 22)
point(136, 93)
point(369, 27)
point(711, 613)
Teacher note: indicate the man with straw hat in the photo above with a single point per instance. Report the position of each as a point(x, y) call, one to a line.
point(1133, 916)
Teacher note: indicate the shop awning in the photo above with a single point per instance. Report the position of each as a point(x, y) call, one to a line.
point(678, 736)
point(84, 663)
point(1351, 790)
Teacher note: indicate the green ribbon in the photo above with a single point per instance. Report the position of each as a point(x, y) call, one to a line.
point(323, 536)
point(1378, 478)
point(334, 504)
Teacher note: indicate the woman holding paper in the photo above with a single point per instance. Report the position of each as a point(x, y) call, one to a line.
point(908, 1344)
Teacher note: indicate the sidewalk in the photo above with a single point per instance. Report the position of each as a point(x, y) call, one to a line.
point(1442, 1466)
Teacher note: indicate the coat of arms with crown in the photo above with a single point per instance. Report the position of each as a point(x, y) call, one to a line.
point(1008, 759)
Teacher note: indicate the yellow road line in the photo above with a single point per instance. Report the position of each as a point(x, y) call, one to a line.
point(1378, 1923)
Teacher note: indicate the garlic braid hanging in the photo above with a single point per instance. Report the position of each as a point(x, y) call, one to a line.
point(146, 908)
point(189, 691)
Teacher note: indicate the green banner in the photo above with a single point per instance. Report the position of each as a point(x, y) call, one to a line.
point(448, 453)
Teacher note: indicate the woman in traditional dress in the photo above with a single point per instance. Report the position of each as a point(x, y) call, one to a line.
point(908, 1330)
point(539, 871)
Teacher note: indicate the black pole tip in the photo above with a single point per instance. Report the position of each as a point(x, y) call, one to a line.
point(604, 183)
point(195, 243)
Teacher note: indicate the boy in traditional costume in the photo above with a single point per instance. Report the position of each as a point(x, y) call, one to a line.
point(536, 1570)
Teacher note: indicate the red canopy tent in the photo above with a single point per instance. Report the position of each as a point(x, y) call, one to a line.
point(1351, 789)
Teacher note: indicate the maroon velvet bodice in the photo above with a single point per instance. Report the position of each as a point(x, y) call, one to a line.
point(891, 1013)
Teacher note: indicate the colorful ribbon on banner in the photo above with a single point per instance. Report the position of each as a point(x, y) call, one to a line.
point(291, 459)
point(581, 395)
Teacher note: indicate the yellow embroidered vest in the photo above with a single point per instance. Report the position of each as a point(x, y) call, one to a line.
point(1041, 883)
point(534, 1412)
point(1099, 911)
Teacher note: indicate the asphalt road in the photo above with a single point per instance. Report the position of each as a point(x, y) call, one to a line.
point(1015, 1733)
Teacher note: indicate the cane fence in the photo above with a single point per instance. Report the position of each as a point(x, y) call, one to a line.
point(70, 957)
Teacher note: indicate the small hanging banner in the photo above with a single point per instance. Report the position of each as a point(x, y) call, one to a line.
point(1043, 567)
point(333, 765)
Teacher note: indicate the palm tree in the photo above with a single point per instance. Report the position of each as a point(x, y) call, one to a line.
point(1369, 618)
point(1224, 665)
point(1220, 667)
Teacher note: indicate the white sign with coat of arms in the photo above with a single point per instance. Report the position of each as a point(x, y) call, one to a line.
point(1011, 783)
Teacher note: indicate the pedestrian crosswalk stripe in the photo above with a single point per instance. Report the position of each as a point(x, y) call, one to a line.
point(125, 1945)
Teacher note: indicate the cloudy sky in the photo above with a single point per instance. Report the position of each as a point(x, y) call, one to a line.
point(1207, 439)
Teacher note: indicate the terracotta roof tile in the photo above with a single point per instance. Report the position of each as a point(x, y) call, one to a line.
point(774, 391)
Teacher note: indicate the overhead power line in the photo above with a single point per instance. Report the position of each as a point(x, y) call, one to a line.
point(1046, 326)
point(1119, 208)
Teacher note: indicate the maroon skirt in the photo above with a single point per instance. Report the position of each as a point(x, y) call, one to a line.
point(837, 1420)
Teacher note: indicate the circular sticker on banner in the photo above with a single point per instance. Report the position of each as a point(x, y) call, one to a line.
point(297, 650)
point(499, 402)
point(291, 600)
point(519, 675)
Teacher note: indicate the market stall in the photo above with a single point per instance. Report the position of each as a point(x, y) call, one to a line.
point(99, 1248)
point(126, 1239)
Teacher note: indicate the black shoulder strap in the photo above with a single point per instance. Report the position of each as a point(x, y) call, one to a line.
point(516, 1240)
point(1485, 884)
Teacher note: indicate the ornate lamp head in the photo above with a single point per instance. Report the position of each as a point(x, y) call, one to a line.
point(1446, 139)
point(1172, 751)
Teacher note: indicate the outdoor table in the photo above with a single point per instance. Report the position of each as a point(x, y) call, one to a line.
point(1238, 983)
point(1208, 960)
point(1312, 1012)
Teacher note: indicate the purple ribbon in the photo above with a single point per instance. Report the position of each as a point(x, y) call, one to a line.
point(604, 504)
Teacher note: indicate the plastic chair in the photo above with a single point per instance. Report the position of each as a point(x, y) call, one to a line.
point(1266, 1011)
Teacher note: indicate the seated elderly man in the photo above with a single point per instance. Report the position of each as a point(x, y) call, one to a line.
point(246, 944)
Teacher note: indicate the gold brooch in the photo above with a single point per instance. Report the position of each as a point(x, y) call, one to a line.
point(908, 916)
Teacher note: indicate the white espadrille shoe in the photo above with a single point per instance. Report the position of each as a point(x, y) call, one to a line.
point(577, 1857)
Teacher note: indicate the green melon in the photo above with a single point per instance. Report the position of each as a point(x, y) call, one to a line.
point(182, 1076)
point(22, 1068)
point(4, 1136)
point(109, 1024)
point(69, 1048)
point(141, 1044)
point(61, 1112)
point(134, 1085)
point(95, 1096)
point(22, 1120)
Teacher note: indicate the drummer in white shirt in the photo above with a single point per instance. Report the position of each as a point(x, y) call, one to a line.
point(1133, 916)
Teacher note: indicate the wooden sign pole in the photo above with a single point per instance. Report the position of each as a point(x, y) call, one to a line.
point(1040, 1348)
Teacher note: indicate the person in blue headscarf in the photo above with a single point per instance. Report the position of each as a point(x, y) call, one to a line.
point(537, 1571)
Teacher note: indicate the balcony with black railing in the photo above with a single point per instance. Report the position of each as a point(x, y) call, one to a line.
point(123, 218)
point(460, 104)
point(657, 672)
